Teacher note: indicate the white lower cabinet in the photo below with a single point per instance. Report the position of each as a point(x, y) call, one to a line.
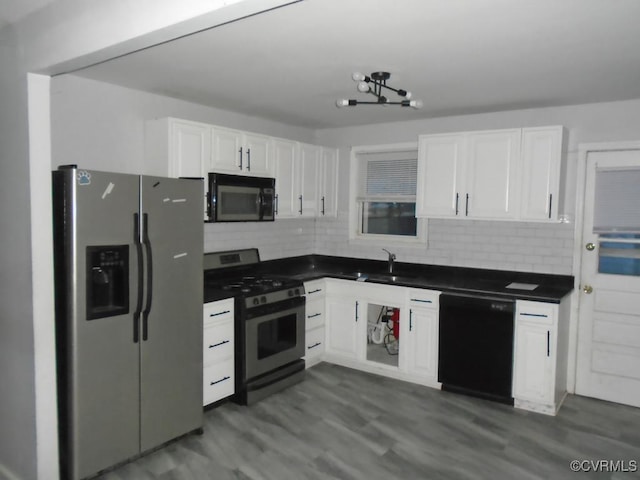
point(421, 347)
point(314, 321)
point(361, 334)
point(218, 351)
point(540, 353)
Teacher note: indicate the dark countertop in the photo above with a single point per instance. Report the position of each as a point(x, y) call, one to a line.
point(552, 288)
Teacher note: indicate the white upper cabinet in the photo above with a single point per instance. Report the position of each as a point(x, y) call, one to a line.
point(306, 179)
point(309, 181)
point(177, 148)
point(234, 151)
point(286, 172)
point(492, 171)
point(329, 182)
point(510, 174)
point(541, 157)
point(441, 167)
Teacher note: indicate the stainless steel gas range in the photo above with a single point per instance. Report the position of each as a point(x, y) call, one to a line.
point(269, 322)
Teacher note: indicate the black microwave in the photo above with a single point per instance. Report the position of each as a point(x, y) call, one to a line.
point(239, 198)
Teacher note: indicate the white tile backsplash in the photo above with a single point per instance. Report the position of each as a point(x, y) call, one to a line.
point(534, 247)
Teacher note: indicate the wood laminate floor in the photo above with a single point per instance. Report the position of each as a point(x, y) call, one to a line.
point(345, 424)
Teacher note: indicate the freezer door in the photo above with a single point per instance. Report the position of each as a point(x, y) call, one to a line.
point(98, 359)
point(171, 338)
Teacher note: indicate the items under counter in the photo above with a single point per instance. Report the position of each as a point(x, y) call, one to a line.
point(218, 351)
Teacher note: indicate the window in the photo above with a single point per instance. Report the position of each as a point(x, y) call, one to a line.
point(385, 194)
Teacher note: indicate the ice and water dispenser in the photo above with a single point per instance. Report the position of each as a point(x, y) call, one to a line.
point(107, 274)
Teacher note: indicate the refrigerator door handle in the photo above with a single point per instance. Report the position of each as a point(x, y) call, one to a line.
point(138, 310)
point(147, 246)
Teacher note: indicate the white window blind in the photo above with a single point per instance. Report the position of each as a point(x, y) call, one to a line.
point(388, 175)
point(617, 200)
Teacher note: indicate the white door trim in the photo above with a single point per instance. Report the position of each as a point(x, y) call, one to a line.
point(581, 175)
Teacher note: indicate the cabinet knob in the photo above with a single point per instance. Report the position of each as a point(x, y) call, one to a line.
point(590, 246)
point(587, 289)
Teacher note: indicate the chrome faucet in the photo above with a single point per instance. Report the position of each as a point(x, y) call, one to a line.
point(392, 257)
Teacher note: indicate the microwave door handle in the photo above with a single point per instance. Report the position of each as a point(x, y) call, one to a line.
point(261, 205)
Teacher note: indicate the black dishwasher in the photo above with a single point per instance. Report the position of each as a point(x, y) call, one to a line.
point(476, 346)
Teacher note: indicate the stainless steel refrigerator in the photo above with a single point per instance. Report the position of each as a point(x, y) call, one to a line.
point(128, 284)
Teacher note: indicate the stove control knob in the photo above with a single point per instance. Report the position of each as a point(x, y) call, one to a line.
point(297, 292)
point(263, 299)
point(256, 301)
point(290, 293)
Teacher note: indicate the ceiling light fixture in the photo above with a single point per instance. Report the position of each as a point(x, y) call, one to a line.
point(374, 84)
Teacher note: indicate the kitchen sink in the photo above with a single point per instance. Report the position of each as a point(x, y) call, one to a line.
point(382, 277)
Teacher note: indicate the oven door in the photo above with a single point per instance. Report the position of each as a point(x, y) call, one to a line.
point(276, 338)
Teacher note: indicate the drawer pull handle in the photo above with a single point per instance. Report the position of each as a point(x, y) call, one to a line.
point(314, 345)
point(314, 291)
point(218, 344)
point(219, 313)
point(221, 380)
point(314, 315)
point(421, 300)
point(541, 315)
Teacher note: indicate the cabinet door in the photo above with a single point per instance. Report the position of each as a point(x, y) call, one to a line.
point(422, 333)
point(329, 182)
point(190, 149)
point(440, 175)
point(225, 151)
point(541, 156)
point(493, 159)
point(533, 362)
point(342, 326)
point(284, 157)
point(256, 155)
point(309, 192)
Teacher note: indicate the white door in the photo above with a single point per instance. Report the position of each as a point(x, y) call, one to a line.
point(608, 365)
point(309, 180)
point(343, 315)
point(255, 155)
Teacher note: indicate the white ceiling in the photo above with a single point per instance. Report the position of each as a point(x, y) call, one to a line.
point(12, 11)
point(458, 56)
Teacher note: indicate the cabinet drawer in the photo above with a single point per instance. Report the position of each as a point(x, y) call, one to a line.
point(218, 382)
point(217, 342)
point(535, 312)
point(216, 311)
point(314, 343)
point(314, 289)
point(423, 298)
point(314, 314)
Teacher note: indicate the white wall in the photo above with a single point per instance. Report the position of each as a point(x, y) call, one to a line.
point(100, 126)
point(17, 384)
point(524, 246)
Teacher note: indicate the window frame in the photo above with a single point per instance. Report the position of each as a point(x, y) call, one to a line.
point(355, 205)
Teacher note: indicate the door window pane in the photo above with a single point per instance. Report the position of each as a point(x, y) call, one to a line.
point(619, 254)
point(277, 335)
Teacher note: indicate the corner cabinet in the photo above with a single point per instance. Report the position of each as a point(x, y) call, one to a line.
point(218, 374)
point(495, 175)
point(540, 356)
point(306, 177)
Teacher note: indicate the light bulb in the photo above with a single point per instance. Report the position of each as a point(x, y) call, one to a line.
point(407, 95)
point(415, 104)
point(342, 102)
point(357, 77)
point(363, 87)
